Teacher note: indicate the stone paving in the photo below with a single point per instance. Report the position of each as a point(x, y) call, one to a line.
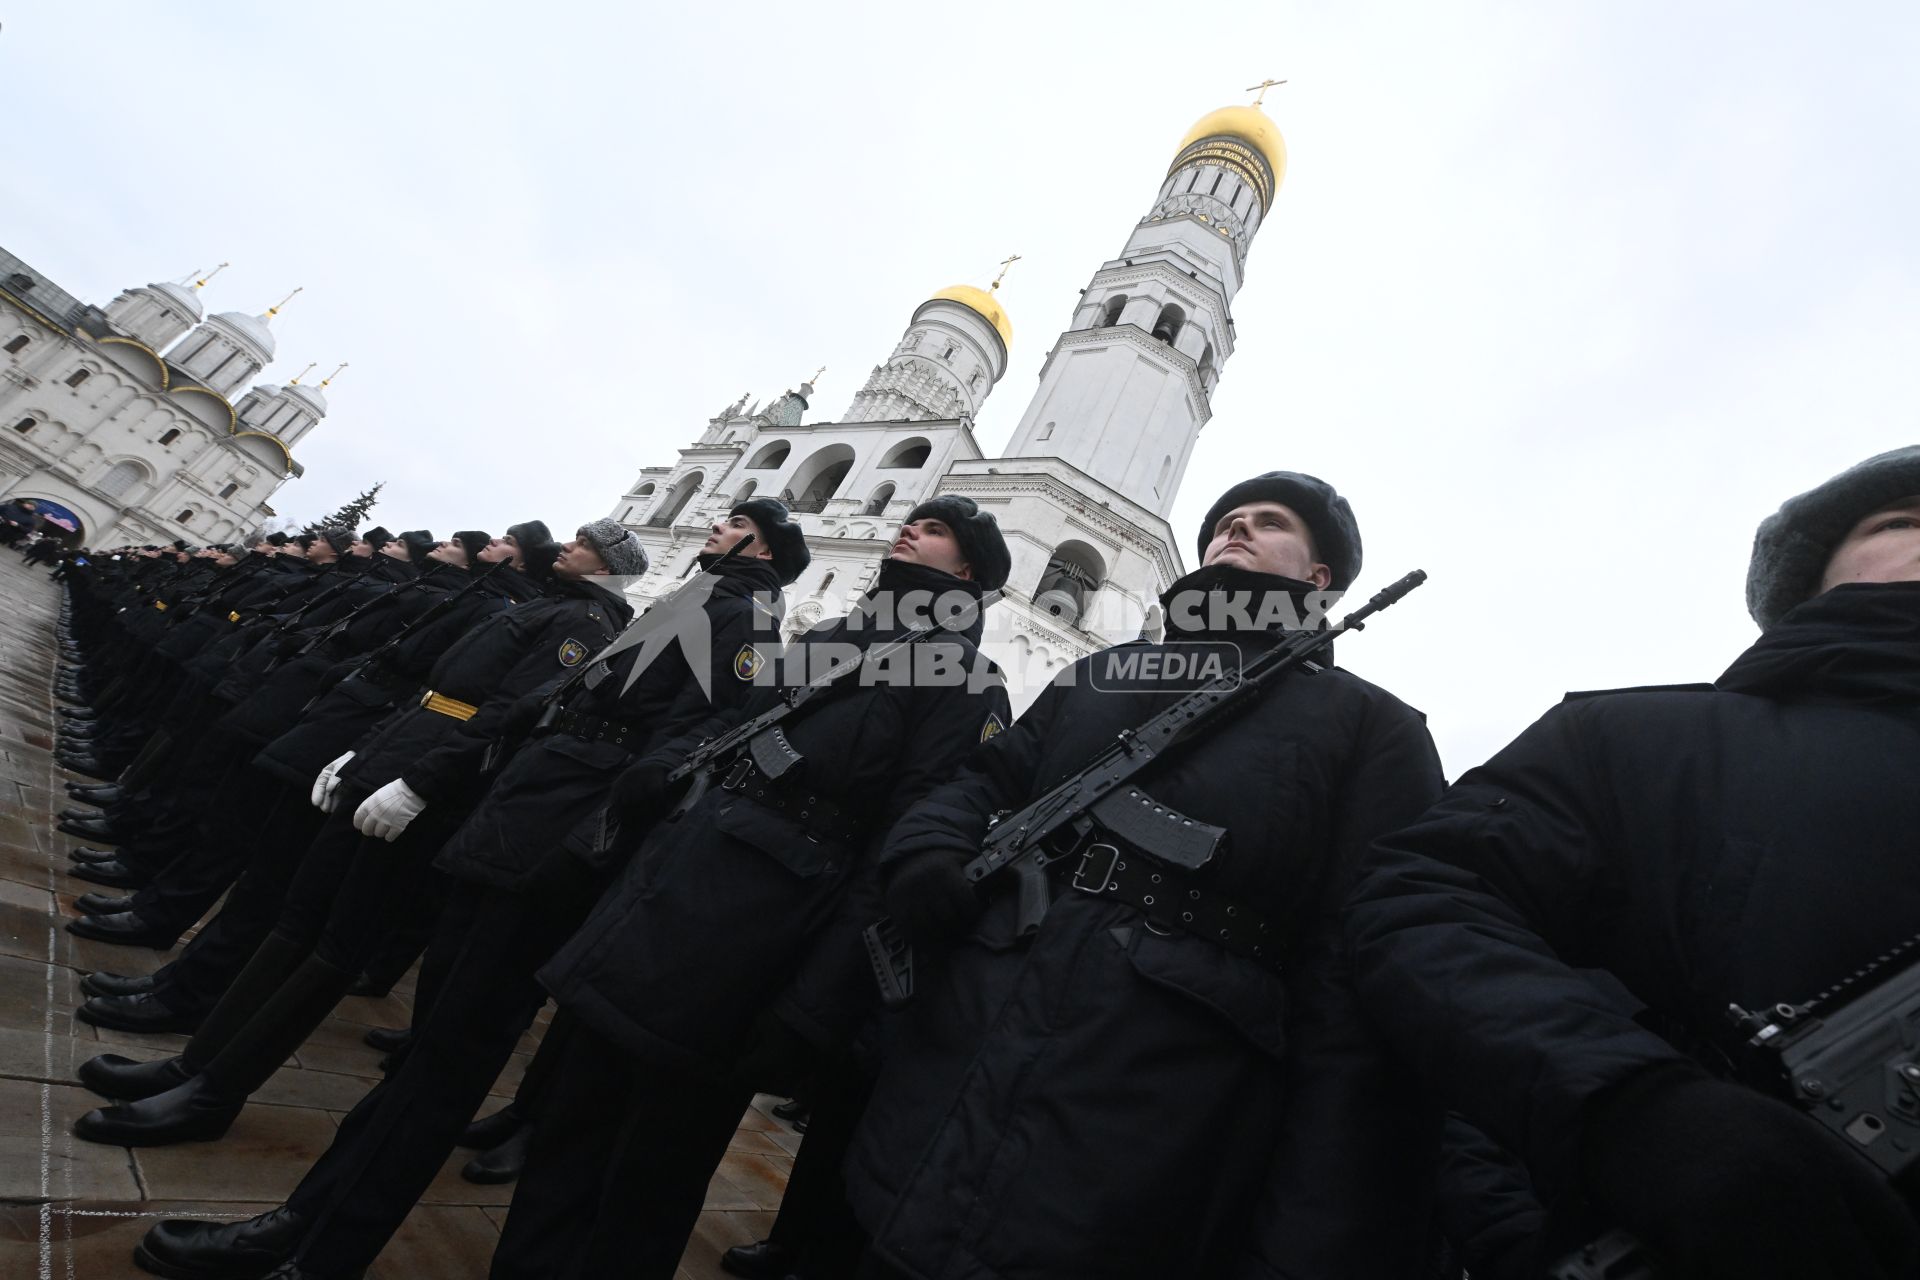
point(75, 1209)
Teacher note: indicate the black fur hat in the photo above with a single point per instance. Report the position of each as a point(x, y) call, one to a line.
point(785, 538)
point(474, 541)
point(418, 543)
point(977, 532)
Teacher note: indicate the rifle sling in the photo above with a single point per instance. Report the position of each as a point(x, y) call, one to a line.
point(1171, 899)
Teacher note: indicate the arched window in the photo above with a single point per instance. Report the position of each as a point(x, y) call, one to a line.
point(818, 480)
point(1168, 326)
point(827, 581)
point(122, 477)
point(627, 514)
point(948, 353)
point(676, 502)
point(745, 491)
point(644, 490)
point(229, 490)
point(18, 345)
point(24, 425)
point(79, 376)
point(1074, 572)
point(908, 454)
point(774, 455)
point(877, 504)
point(169, 435)
point(1046, 432)
point(1206, 365)
point(1115, 305)
point(185, 516)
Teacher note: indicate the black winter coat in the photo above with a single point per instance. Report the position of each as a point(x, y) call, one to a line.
point(708, 921)
point(1748, 841)
point(502, 659)
point(359, 693)
point(1113, 1101)
point(557, 780)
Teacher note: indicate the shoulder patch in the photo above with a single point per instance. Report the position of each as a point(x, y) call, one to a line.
point(747, 662)
point(992, 728)
point(572, 653)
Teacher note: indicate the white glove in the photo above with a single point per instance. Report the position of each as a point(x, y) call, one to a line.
point(327, 783)
point(386, 813)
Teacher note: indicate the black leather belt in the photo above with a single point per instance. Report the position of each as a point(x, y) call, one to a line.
point(823, 818)
point(1170, 900)
point(615, 733)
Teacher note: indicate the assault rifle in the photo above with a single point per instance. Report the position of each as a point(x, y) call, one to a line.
point(1099, 796)
point(1846, 1058)
point(764, 742)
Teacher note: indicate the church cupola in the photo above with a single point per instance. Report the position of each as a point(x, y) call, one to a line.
point(286, 413)
point(946, 364)
point(228, 350)
point(155, 315)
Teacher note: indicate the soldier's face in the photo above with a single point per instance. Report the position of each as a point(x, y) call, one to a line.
point(725, 533)
point(397, 549)
point(503, 549)
point(322, 552)
point(226, 560)
point(931, 543)
point(578, 560)
point(361, 549)
point(450, 552)
point(1268, 537)
point(1884, 547)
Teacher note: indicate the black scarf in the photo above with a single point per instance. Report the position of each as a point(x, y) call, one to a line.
point(901, 579)
point(1265, 606)
point(1856, 643)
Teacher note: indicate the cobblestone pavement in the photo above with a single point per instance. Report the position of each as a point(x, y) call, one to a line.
point(73, 1209)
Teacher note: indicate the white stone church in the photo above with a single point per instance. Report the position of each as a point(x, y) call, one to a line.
point(136, 423)
point(1084, 488)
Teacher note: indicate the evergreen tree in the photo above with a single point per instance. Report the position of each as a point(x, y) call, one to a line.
point(351, 515)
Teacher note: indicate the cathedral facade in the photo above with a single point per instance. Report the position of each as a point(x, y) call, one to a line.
point(137, 423)
point(1083, 489)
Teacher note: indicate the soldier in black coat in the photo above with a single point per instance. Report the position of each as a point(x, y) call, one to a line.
point(354, 882)
point(519, 889)
point(308, 711)
point(1126, 1093)
point(1745, 842)
point(674, 978)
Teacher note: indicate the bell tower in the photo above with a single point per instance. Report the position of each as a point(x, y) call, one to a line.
point(1130, 383)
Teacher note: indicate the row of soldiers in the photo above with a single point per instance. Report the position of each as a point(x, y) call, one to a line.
point(1373, 1027)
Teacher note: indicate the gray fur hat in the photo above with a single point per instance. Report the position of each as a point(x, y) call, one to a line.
point(1336, 534)
point(1793, 545)
point(615, 543)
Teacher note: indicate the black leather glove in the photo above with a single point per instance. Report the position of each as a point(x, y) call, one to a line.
point(522, 716)
point(1720, 1181)
point(930, 897)
point(642, 793)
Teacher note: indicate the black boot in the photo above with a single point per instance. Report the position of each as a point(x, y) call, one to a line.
point(190, 1250)
point(206, 1106)
point(387, 1039)
point(503, 1163)
point(125, 929)
point(144, 1011)
point(490, 1132)
point(129, 1080)
point(99, 904)
point(764, 1259)
point(81, 853)
point(92, 829)
point(118, 984)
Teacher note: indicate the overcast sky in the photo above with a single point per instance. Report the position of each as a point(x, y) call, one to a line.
point(1566, 297)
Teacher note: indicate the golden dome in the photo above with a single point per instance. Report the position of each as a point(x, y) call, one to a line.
point(983, 302)
point(1250, 125)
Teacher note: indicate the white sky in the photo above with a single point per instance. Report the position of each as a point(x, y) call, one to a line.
point(1564, 296)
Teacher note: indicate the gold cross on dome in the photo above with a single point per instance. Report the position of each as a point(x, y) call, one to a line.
point(1006, 264)
point(1261, 89)
point(815, 379)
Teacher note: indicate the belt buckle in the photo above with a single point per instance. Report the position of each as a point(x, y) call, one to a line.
point(737, 776)
point(1097, 849)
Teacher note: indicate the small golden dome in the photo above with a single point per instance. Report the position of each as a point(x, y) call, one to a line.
point(985, 303)
point(1250, 125)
